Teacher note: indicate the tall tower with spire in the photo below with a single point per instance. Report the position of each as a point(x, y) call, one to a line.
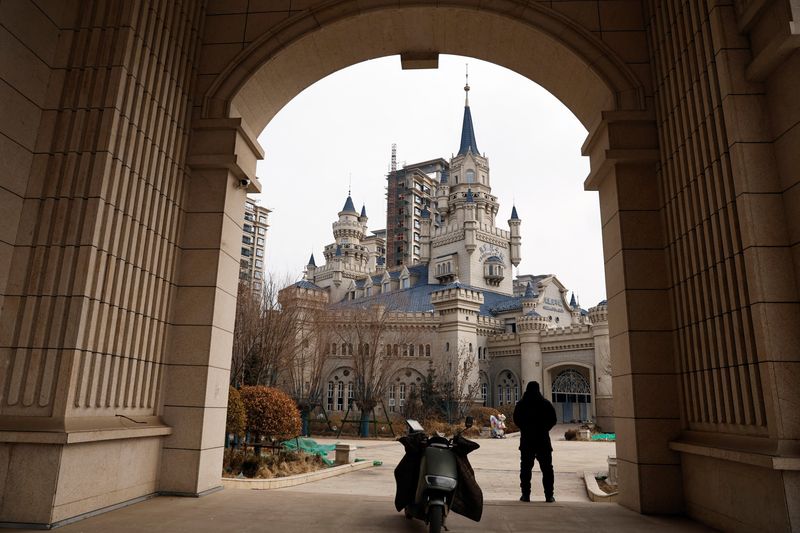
point(467, 245)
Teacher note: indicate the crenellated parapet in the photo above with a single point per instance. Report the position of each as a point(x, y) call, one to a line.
point(574, 329)
point(532, 323)
point(599, 313)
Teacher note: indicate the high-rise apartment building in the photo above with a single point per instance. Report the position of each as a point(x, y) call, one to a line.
point(410, 191)
point(254, 236)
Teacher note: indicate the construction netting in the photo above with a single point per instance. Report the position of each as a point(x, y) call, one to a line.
point(311, 447)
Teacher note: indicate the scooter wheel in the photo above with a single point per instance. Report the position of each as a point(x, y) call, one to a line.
point(435, 518)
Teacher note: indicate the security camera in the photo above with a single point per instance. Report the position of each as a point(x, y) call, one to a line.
point(244, 182)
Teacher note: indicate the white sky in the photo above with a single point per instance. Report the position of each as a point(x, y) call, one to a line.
point(341, 130)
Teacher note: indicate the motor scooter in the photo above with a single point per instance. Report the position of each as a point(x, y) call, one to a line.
point(435, 477)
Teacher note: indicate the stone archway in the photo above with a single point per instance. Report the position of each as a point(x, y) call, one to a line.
point(128, 140)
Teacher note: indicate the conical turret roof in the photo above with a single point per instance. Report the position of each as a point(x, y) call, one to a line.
point(514, 213)
point(468, 142)
point(348, 206)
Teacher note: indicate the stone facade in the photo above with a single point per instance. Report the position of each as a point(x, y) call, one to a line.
point(127, 127)
point(460, 300)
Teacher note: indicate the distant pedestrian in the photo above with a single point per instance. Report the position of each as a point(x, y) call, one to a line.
point(535, 417)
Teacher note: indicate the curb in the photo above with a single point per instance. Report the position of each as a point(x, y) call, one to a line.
point(291, 481)
point(594, 492)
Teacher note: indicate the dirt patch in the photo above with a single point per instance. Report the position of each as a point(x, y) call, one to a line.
point(606, 487)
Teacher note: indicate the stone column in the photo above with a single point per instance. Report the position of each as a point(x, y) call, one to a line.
point(623, 152)
point(222, 158)
point(531, 368)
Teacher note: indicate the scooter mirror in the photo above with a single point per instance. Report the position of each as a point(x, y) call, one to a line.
point(468, 422)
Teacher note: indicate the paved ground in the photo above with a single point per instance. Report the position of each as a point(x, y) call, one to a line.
point(363, 501)
point(496, 465)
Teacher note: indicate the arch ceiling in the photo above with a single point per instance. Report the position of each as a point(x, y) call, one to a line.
point(531, 40)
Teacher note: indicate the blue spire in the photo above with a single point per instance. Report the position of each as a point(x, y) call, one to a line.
point(363, 211)
point(572, 303)
point(514, 213)
point(311, 261)
point(348, 206)
point(470, 198)
point(529, 292)
point(468, 142)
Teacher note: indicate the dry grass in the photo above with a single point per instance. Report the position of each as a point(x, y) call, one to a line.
point(269, 465)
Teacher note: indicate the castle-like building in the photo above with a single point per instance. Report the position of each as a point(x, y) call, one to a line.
point(449, 281)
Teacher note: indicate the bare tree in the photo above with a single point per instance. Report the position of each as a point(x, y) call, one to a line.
point(457, 382)
point(314, 332)
point(264, 338)
point(374, 338)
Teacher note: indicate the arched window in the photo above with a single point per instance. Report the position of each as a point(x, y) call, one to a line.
point(499, 394)
point(334, 347)
point(411, 350)
point(350, 393)
point(470, 176)
point(470, 347)
point(427, 350)
point(330, 396)
point(402, 398)
point(340, 396)
point(485, 393)
point(392, 398)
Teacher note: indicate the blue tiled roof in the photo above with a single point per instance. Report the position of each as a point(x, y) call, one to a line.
point(494, 303)
point(468, 142)
point(514, 213)
point(529, 291)
point(494, 259)
point(305, 284)
point(311, 261)
point(360, 283)
point(348, 206)
point(572, 303)
point(377, 279)
point(532, 312)
point(395, 274)
point(417, 299)
point(363, 211)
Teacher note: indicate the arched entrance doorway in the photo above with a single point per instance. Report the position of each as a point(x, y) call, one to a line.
point(571, 395)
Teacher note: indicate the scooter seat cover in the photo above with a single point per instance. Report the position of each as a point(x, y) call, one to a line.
point(467, 498)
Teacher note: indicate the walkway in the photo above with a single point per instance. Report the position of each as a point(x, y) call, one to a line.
point(363, 501)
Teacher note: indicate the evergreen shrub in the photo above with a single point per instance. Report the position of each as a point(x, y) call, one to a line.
point(270, 413)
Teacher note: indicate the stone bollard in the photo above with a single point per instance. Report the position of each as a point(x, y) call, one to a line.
point(345, 454)
point(584, 434)
point(612, 470)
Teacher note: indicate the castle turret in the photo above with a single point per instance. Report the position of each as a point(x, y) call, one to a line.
point(530, 326)
point(470, 222)
point(604, 408)
point(311, 267)
point(425, 236)
point(514, 224)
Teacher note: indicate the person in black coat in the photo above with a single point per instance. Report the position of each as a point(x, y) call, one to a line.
point(535, 417)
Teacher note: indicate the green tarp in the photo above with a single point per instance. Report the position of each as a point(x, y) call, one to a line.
point(311, 447)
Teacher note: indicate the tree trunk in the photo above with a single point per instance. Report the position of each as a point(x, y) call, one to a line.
point(363, 430)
